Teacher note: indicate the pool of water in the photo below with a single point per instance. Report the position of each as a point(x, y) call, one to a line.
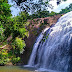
point(24, 69)
point(14, 69)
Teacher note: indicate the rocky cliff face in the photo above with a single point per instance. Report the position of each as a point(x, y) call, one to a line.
point(35, 27)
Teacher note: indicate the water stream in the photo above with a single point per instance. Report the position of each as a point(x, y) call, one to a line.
point(52, 50)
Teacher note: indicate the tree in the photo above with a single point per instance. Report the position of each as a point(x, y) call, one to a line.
point(67, 9)
point(14, 27)
point(5, 14)
point(34, 5)
point(5, 11)
point(31, 5)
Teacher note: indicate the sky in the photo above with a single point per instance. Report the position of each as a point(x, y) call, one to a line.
point(62, 6)
point(15, 10)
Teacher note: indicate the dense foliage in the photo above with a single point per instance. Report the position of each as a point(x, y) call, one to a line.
point(5, 14)
point(15, 28)
point(31, 5)
point(42, 14)
point(3, 57)
point(35, 5)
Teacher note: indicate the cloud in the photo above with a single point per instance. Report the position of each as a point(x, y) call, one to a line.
point(62, 6)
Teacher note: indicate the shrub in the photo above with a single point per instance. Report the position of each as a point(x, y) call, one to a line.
point(18, 45)
point(15, 60)
point(1, 33)
point(3, 57)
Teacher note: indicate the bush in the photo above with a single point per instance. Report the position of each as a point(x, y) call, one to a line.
point(4, 57)
point(1, 34)
point(15, 60)
point(18, 45)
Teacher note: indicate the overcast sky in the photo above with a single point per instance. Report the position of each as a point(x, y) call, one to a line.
point(15, 11)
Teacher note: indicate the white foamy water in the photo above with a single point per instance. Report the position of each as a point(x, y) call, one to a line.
point(53, 48)
point(32, 58)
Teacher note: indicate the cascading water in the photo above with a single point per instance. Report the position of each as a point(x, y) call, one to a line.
point(53, 50)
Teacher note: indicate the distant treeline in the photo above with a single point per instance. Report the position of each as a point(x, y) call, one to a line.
point(42, 14)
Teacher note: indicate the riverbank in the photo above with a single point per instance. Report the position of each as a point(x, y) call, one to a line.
point(12, 69)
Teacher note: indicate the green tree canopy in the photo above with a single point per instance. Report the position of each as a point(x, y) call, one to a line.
point(67, 9)
point(5, 11)
point(35, 5)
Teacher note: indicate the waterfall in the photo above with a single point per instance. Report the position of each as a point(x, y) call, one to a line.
point(32, 58)
point(53, 48)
